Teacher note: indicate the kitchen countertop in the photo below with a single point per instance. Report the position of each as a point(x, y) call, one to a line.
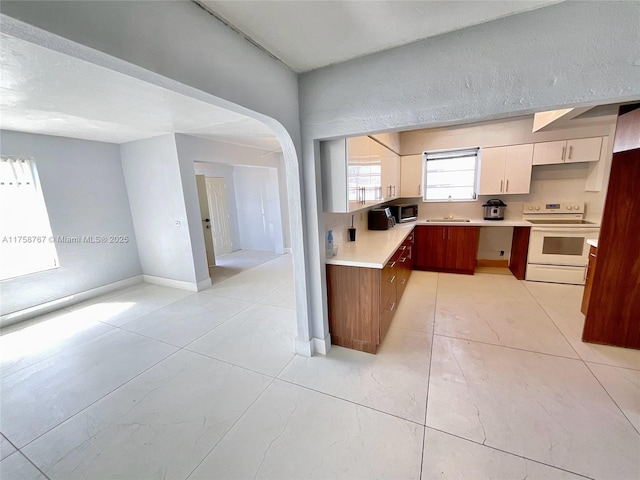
point(593, 242)
point(373, 248)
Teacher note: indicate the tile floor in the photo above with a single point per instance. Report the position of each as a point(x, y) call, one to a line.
point(479, 377)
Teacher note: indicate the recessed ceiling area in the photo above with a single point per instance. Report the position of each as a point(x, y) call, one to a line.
point(309, 34)
point(46, 92)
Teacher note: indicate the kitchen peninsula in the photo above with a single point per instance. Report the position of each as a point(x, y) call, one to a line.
point(366, 278)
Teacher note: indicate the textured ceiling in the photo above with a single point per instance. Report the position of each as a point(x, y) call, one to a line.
point(42, 91)
point(308, 34)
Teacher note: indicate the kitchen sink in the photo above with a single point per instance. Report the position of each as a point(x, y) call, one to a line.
point(448, 220)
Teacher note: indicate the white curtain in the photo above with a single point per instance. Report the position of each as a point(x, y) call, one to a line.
point(26, 244)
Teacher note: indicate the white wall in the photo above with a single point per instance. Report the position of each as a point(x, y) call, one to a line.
point(84, 190)
point(568, 54)
point(155, 184)
point(258, 202)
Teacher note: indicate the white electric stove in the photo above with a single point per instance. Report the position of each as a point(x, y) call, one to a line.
point(558, 250)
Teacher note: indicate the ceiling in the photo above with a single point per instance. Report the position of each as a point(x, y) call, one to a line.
point(309, 34)
point(46, 92)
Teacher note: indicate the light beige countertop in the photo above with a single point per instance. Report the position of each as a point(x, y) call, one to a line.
point(373, 248)
point(593, 242)
point(475, 222)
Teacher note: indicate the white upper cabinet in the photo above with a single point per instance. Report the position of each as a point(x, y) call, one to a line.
point(584, 150)
point(390, 163)
point(351, 174)
point(411, 176)
point(505, 170)
point(567, 151)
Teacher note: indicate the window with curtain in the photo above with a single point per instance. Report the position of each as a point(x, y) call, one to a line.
point(26, 243)
point(450, 175)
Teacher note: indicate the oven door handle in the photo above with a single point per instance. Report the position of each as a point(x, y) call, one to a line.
point(578, 232)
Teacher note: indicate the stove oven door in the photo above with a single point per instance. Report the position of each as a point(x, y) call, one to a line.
point(560, 245)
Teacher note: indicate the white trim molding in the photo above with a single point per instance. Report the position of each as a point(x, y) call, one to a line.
point(168, 282)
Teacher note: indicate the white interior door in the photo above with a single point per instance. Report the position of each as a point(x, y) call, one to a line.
point(203, 201)
point(219, 214)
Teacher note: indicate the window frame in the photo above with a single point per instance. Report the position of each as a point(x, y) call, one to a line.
point(451, 153)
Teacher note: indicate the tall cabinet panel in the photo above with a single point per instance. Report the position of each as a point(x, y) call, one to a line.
point(613, 314)
point(411, 176)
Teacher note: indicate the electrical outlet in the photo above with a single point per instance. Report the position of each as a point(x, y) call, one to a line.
point(502, 253)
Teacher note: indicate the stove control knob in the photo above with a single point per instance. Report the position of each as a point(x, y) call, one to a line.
point(569, 207)
point(530, 207)
point(537, 208)
point(576, 207)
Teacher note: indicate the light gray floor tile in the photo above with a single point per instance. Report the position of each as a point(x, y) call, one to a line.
point(562, 303)
point(41, 396)
point(284, 297)
point(446, 456)
point(293, 433)
point(623, 385)
point(260, 338)
point(135, 303)
point(185, 320)
point(6, 448)
point(160, 425)
point(44, 337)
point(17, 467)
point(545, 408)
point(496, 309)
point(393, 381)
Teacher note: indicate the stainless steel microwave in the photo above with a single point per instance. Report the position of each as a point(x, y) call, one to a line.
point(405, 212)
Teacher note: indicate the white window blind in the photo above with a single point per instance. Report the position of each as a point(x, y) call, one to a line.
point(450, 175)
point(26, 244)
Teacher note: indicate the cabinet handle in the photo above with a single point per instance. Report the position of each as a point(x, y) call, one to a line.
point(592, 255)
point(419, 185)
point(403, 247)
point(564, 149)
point(394, 191)
point(501, 185)
point(404, 281)
point(403, 259)
point(392, 279)
point(393, 305)
point(507, 189)
point(586, 269)
point(393, 264)
point(570, 148)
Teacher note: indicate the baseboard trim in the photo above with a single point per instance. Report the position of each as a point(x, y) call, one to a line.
point(203, 284)
point(322, 345)
point(168, 282)
point(492, 263)
point(67, 301)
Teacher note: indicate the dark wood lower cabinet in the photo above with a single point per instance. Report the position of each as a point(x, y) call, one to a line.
point(363, 301)
point(446, 249)
point(519, 251)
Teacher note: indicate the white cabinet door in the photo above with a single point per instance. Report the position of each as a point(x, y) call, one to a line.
point(583, 150)
point(390, 174)
point(492, 164)
point(411, 176)
point(547, 153)
point(517, 172)
point(358, 171)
